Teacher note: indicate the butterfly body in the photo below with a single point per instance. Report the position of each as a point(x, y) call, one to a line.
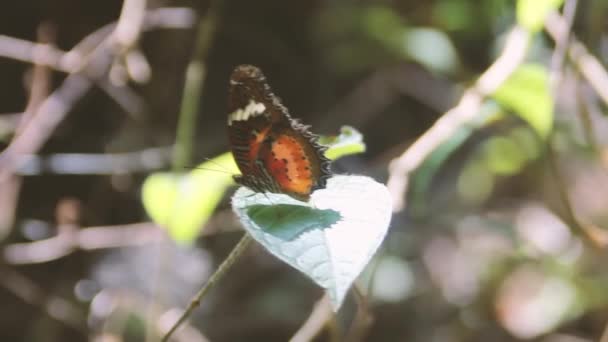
point(274, 152)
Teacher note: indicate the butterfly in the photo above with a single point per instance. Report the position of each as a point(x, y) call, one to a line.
point(274, 152)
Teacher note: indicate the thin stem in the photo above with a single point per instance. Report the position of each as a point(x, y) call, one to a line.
point(317, 320)
point(186, 129)
point(195, 76)
point(215, 277)
point(363, 319)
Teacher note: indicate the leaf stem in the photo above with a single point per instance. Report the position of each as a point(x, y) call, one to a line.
point(193, 87)
point(215, 277)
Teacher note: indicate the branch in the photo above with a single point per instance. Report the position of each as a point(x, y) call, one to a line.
point(512, 56)
point(70, 62)
point(55, 107)
point(320, 315)
point(69, 240)
point(95, 164)
point(39, 87)
point(215, 277)
point(587, 64)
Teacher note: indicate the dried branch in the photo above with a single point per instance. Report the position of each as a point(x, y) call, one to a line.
point(363, 319)
point(39, 88)
point(130, 23)
point(54, 108)
point(318, 319)
point(70, 240)
point(561, 45)
point(70, 62)
point(95, 164)
point(234, 255)
point(593, 71)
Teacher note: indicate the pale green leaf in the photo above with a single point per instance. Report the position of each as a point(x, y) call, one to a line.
point(531, 14)
point(182, 203)
point(348, 142)
point(527, 93)
point(331, 238)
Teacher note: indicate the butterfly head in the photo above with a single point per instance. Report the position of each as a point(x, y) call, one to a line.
point(246, 74)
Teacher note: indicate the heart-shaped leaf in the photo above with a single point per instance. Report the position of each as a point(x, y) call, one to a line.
point(331, 238)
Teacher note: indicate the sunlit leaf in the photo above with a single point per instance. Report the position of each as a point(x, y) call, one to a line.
point(348, 142)
point(184, 202)
point(331, 238)
point(527, 93)
point(531, 14)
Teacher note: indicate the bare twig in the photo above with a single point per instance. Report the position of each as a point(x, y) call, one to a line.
point(130, 23)
point(95, 164)
point(363, 319)
point(588, 108)
point(588, 65)
point(39, 88)
point(563, 39)
point(125, 39)
point(91, 238)
point(103, 237)
point(320, 315)
point(54, 109)
point(48, 116)
point(512, 56)
point(70, 62)
point(561, 45)
point(40, 54)
point(215, 277)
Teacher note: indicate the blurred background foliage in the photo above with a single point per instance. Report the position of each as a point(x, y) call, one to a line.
point(502, 237)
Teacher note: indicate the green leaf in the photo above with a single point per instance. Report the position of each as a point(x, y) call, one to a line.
point(331, 238)
point(348, 142)
point(184, 202)
point(531, 14)
point(527, 93)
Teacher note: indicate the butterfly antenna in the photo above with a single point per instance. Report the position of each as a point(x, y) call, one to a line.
point(222, 167)
point(207, 169)
point(219, 165)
